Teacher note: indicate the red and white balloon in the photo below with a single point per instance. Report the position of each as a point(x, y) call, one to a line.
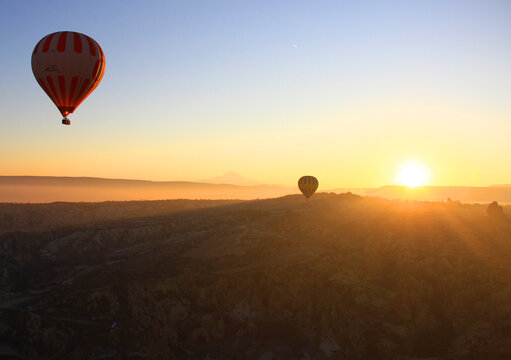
point(68, 66)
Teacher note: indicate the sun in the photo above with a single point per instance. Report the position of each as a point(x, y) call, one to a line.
point(413, 174)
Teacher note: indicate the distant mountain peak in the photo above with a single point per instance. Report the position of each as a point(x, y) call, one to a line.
point(233, 178)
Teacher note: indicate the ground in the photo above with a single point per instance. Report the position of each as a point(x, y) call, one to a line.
point(345, 277)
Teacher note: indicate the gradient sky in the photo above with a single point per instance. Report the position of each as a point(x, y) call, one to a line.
point(346, 91)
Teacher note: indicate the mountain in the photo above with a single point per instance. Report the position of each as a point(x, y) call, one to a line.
point(232, 178)
point(44, 189)
point(39, 189)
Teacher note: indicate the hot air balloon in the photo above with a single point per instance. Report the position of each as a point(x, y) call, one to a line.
point(68, 66)
point(308, 186)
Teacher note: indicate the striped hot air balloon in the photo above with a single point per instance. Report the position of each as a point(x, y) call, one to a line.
point(68, 66)
point(308, 186)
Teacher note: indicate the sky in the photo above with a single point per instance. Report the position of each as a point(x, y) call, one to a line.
point(347, 91)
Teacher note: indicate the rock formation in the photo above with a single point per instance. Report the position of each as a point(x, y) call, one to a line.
point(496, 213)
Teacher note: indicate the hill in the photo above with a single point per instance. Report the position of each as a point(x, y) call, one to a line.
point(232, 178)
point(345, 277)
point(466, 194)
point(37, 189)
point(44, 189)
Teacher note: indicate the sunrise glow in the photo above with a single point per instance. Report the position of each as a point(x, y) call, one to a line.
point(413, 174)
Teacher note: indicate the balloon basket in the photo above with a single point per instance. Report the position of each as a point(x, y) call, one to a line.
point(65, 121)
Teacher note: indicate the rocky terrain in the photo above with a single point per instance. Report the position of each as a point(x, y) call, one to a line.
point(345, 277)
point(61, 214)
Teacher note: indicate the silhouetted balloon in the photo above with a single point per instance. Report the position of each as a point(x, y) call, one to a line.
point(308, 185)
point(68, 66)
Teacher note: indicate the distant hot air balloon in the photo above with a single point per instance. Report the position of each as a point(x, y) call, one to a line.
point(308, 186)
point(68, 66)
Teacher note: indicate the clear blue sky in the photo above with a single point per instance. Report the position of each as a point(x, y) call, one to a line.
point(271, 89)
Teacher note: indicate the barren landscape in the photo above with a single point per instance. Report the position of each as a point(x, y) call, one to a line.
point(345, 277)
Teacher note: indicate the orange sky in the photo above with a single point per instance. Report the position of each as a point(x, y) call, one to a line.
point(350, 149)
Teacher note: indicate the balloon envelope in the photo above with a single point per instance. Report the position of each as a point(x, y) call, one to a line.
point(68, 66)
point(308, 185)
